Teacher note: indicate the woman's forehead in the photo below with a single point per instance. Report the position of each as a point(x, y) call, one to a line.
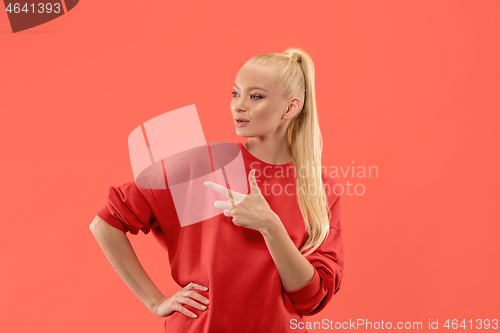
point(256, 75)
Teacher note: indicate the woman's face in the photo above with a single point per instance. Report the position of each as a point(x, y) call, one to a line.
point(257, 99)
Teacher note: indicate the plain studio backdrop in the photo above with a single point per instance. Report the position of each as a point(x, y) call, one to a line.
point(411, 87)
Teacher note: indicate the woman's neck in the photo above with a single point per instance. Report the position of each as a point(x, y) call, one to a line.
point(269, 151)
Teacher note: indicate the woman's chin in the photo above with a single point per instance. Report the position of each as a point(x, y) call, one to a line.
point(242, 134)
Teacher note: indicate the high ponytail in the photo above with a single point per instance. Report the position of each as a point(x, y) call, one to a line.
point(304, 139)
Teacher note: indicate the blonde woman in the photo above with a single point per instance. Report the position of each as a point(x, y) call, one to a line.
point(276, 256)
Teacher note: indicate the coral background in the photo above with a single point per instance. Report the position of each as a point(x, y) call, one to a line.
point(411, 87)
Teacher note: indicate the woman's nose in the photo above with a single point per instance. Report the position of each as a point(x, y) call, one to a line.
point(238, 104)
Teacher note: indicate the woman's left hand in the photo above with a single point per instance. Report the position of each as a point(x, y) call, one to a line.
point(249, 211)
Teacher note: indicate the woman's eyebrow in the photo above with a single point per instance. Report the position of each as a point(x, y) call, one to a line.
point(235, 85)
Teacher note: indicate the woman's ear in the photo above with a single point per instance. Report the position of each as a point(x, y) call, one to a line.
point(292, 109)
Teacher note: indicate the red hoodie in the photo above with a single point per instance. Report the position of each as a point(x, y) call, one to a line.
point(245, 290)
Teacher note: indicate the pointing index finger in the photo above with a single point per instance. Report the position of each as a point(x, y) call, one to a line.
point(217, 187)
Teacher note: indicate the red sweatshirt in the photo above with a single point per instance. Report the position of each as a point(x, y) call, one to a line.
point(245, 290)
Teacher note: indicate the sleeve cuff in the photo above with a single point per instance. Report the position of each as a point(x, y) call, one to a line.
point(305, 294)
point(106, 216)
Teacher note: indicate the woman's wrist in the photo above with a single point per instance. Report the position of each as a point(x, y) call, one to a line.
point(272, 225)
point(154, 308)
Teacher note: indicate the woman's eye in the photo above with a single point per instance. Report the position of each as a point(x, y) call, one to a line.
point(254, 97)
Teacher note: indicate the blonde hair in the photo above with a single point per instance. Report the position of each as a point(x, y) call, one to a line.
point(296, 75)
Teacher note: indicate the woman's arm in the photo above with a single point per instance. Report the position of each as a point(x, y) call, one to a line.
point(253, 211)
point(294, 269)
point(309, 282)
point(122, 257)
point(327, 262)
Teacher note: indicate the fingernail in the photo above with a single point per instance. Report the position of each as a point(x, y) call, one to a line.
point(203, 307)
point(205, 288)
point(194, 316)
point(206, 301)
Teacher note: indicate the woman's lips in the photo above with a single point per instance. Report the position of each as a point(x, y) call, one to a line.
point(241, 123)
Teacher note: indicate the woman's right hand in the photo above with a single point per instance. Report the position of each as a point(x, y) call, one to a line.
point(187, 295)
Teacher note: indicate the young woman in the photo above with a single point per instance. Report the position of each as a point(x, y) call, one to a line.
point(264, 263)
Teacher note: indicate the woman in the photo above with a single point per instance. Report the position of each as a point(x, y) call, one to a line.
point(268, 260)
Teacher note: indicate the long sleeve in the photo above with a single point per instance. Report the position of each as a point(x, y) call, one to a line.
point(130, 208)
point(328, 261)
